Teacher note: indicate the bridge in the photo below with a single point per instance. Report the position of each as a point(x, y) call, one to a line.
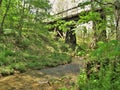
point(69, 14)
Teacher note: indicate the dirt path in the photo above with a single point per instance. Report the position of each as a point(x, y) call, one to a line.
point(46, 79)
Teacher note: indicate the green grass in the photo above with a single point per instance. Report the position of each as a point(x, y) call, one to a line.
point(35, 51)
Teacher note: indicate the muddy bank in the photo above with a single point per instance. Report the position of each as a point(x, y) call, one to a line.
point(46, 79)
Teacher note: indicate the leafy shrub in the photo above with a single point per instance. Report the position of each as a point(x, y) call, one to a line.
point(64, 48)
point(110, 50)
point(9, 53)
point(19, 66)
point(81, 49)
point(23, 43)
point(2, 59)
point(6, 57)
point(81, 53)
point(63, 88)
point(107, 76)
point(6, 70)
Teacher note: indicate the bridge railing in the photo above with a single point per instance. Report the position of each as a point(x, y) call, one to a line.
point(67, 13)
point(71, 12)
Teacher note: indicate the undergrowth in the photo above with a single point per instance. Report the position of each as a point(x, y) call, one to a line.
point(32, 51)
point(105, 68)
point(102, 71)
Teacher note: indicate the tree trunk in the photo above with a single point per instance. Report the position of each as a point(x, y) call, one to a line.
point(117, 16)
point(21, 19)
point(95, 37)
point(102, 29)
point(3, 20)
point(102, 34)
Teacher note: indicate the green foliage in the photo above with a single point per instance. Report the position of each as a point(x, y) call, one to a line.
point(24, 43)
point(82, 79)
point(63, 88)
point(20, 14)
point(40, 3)
point(54, 58)
point(28, 53)
point(62, 25)
point(90, 16)
point(6, 71)
point(81, 53)
point(66, 25)
point(21, 66)
point(85, 3)
point(81, 50)
point(64, 48)
point(107, 77)
point(106, 50)
point(5, 53)
point(49, 60)
point(103, 83)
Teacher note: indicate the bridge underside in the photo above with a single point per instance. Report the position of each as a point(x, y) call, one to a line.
point(74, 17)
point(70, 37)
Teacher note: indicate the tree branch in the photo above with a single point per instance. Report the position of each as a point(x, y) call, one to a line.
point(108, 3)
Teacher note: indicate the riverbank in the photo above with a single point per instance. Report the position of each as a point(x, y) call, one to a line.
point(53, 78)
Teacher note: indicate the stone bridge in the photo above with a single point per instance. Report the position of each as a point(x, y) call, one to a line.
point(68, 15)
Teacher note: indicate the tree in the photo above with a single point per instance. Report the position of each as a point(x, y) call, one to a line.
point(106, 14)
point(115, 5)
point(20, 14)
point(117, 15)
point(4, 16)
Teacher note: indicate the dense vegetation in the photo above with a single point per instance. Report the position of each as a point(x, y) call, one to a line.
point(102, 67)
point(26, 43)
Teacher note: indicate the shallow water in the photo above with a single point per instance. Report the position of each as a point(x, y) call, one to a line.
point(52, 78)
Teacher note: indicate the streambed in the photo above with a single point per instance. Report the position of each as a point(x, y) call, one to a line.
point(52, 78)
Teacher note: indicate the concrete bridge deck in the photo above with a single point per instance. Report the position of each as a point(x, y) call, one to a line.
point(69, 14)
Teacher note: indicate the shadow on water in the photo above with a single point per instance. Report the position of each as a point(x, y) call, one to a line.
point(62, 70)
point(67, 69)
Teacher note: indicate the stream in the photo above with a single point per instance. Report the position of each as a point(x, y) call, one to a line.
point(52, 78)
